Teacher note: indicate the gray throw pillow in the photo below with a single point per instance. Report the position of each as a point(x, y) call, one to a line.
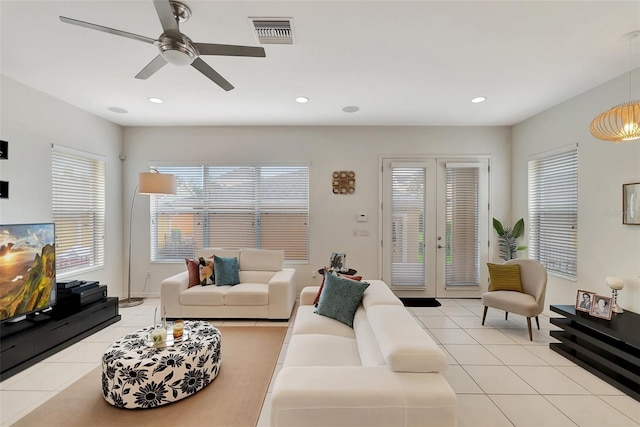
point(340, 298)
point(226, 270)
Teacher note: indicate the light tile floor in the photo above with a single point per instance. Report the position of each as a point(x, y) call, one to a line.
point(500, 377)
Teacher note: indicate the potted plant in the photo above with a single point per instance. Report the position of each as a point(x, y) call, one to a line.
point(507, 239)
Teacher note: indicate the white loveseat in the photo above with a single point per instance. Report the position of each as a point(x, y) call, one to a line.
point(385, 372)
point(266, 289)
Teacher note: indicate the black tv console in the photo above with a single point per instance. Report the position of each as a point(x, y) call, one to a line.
point(26, 343)
point(610, 349)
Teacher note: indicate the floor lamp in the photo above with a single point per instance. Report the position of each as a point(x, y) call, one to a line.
point(148, 183)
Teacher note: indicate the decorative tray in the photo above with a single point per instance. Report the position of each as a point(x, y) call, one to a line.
point(170, 342)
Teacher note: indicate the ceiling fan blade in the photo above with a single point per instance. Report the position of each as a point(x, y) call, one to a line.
point(167, 19)
point(230, 50)
point(107, 30)
point(153, 66)
point(205, 69)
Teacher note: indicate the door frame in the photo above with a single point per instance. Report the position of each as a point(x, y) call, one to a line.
point(467, 292)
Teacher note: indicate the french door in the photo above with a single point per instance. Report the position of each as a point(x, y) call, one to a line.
point(435, 226)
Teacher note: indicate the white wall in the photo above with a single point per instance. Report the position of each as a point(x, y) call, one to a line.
point(31, 121)
point(606, 247)
point(333, 217)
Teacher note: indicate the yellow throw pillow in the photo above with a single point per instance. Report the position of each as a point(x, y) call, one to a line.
point(504, 277)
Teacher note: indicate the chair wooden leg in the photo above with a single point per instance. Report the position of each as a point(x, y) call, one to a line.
point(506, 315)
point(484, 315)
point(537, 322)
point(529, 326)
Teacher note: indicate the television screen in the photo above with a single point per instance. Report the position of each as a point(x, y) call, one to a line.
point(27, 269)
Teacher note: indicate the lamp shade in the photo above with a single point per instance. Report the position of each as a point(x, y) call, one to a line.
point(618, 124)
point(156, 183)
point(614, 282)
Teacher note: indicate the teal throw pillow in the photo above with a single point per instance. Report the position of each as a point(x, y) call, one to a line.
point(226, 270)
point(340, 298)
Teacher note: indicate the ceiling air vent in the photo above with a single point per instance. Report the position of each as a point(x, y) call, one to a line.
point(273, 30)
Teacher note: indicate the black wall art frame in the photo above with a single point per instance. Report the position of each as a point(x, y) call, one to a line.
point(631, 203)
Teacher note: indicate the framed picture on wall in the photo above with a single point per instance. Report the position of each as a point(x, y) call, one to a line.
point(601, 306)
point(631, 203)
point(583, 300)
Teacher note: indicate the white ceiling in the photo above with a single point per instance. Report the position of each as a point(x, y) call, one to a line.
point(402, 63)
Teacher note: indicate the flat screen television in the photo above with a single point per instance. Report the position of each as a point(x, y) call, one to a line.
point(27, 269)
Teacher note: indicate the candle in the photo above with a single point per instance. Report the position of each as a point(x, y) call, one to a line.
point(178, 329)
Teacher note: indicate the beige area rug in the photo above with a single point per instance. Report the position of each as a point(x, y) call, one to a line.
point(233, 399)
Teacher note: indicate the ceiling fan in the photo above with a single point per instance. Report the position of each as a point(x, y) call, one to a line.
point(176, 48)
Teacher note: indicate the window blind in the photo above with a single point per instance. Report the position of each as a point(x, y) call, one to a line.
point(78, 207)
point(553, 211)
point(462, 266)
point(251, 206)
point(408, 186)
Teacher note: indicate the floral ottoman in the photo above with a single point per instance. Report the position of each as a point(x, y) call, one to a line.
point(135, 375)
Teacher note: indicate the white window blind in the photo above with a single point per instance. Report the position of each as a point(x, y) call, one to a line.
point(78, 197)
point(462, 266)
point(553, 211)
point(232, 206)
point(408, 186)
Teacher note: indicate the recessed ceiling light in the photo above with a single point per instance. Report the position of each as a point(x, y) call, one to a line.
point(117, 110)
point(351, 109)
point(478, 99)
point(302, 100)
point(156, 100)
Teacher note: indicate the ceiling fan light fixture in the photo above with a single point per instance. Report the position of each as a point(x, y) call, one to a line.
point(180, 53)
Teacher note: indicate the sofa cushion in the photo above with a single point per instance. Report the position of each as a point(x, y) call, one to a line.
point(365, 339)
point(203, 295)
point(345, 276)
point(322, 350)
point(247, 294)
point(340, 298)
point(307, 322)
point(405, 346)
point(255, 276)
point(193, 268)
point(261, 259)
point(226, 270)
point(504, 277)
point(207, 275)
point(379, 293)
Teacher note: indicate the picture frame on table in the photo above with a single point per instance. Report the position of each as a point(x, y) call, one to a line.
point(584, 300)
point(631, 203)
point(601, 307)
point(338, 261)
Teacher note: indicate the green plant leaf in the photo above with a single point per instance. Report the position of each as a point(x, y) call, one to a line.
point(521, 248)
point(498, 226)
point(518, 228)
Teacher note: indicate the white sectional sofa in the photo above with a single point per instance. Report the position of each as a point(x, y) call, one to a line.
point(385, 372)
point(267, 290)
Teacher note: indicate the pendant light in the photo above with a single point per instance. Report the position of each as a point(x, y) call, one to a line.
point(622, 122)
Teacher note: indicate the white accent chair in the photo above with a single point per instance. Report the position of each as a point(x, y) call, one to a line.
point(529, 302)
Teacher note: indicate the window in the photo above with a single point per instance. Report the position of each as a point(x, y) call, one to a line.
point(462, 232)
point(408, 190)
point(78, 197)
point(553, 211)
point(251, 206)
